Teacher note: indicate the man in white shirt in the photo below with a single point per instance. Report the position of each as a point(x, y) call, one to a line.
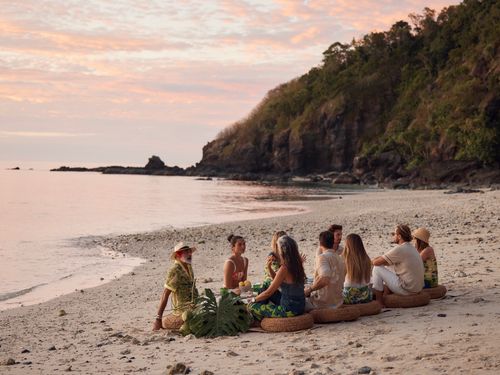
point(408, 275)
point(329, 274)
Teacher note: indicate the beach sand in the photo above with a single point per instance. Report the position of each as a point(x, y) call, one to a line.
point(107, 329)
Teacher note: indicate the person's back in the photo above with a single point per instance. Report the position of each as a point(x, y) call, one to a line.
point(330, 265)
point(292, 296)
point(408, 266)
point(358, 271)
point(290, 301)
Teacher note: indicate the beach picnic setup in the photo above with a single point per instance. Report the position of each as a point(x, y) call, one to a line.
point(346, 286)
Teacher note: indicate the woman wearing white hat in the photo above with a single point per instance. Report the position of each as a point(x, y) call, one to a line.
point(180, 283)
point(421, 237)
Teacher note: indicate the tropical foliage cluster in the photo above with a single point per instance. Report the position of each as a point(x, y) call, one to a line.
point(228, 317)
point(433, 84)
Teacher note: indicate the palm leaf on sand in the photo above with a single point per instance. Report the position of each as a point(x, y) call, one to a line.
point(211, 319)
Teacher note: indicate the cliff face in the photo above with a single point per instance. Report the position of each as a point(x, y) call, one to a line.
point(383, 107)
point(328, 140)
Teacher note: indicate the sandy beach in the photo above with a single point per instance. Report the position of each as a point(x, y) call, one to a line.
point(107, 329)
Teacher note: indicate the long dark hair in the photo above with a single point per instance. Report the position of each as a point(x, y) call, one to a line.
point(290, 257)
point(421, 245)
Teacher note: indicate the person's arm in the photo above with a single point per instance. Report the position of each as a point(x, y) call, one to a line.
point(269, 266)
point(228, 274)
point(380, 261)
point(319, 283)
point(427, 254)
point(245, 271)
point(278, 279)
point(161, 309)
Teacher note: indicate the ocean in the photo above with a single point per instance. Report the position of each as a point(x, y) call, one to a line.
point(44, 215)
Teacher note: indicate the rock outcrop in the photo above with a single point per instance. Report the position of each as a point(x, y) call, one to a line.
point(408, 106)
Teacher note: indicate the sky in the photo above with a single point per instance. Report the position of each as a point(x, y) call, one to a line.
point(113, 82)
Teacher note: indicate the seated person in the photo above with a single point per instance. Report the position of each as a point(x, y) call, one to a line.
point(272, 263)
point(336, 230)
point(179, 283)
point(408, 274)
point(358, 271)
point(236, 266)
point(329, 274)
point(289, 300)
point(421, 237)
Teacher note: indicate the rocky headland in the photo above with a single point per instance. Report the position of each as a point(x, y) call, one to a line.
point(415, 106)
point(155, 166)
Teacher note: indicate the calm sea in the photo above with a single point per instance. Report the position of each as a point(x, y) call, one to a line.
point(43, 214)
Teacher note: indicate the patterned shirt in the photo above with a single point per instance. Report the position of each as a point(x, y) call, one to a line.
point(275, 266)
point(430, 273)
point(180, 281)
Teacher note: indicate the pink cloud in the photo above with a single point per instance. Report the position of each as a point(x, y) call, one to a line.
point(107, 67)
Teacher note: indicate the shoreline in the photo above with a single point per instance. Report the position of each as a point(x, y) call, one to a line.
point(106, 243)
point(108, 328)
point(40, 289)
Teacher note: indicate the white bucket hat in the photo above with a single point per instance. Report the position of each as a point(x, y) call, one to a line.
point(181, 247)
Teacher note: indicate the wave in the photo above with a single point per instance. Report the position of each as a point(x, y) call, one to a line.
point(10, 295)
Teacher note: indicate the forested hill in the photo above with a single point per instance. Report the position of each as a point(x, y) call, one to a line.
point(420, 99)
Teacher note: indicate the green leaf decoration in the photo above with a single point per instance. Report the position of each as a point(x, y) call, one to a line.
point(212, 319)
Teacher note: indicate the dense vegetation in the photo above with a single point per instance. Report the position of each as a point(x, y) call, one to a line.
point(427, 89)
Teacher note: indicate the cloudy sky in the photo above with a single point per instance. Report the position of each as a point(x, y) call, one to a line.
point(88, 81)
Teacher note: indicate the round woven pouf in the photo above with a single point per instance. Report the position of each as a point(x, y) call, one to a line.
point(369, 308)
point(412, 300)
point(340, 314)
point(296, 323)
point(436, 292)
point(172, 321)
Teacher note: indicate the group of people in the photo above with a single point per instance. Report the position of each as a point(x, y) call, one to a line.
point(342, 274)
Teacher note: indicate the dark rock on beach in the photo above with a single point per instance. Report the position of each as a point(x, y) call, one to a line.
point(9, 362)
point(155, 163)
point(155, 166)
point(178, 368)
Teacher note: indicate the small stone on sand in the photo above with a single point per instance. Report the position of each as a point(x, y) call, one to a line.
point(364, 370)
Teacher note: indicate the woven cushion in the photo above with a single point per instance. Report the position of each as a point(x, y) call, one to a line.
point(437, 292)
point(412, 300)
point(296, 323)
point(369, 308)
point(172, 321)
point(344, 313)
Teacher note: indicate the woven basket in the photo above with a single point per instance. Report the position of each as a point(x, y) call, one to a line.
point(296, 323)
point(412, 300)
point(436, 292)
point(368, 308)
point(172, 321)
point(344, 313)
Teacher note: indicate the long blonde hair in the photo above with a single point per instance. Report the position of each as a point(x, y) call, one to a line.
point(274, 241)
point(357, 263)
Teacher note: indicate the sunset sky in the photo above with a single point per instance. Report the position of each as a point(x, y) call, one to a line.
point(118, 81)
